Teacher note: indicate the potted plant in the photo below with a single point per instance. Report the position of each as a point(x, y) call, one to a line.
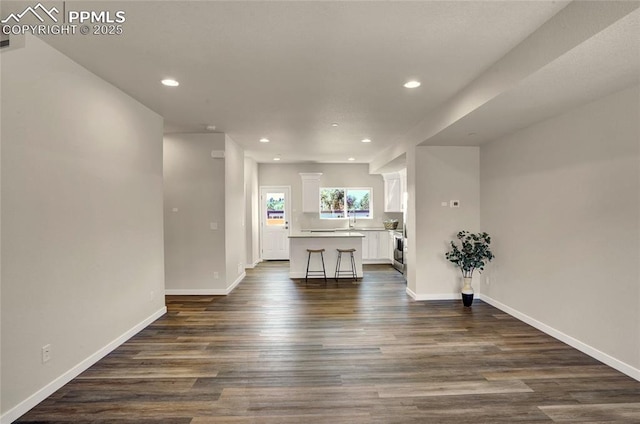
point(471, 253)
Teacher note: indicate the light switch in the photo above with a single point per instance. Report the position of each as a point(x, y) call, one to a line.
point(213, 225)
point(444, 204)
point(175, 209)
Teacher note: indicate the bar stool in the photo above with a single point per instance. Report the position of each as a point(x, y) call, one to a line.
point(315, 272)
point(351, 271)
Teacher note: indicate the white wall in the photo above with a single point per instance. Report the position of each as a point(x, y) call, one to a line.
point(82, 258)
point(194, 184)
point(333, 175)
point(205, 191)
point(252, 213)
point(436, 175)
point(561, 200)
point(234, 203)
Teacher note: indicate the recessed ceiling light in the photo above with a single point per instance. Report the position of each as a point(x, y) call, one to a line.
point(412, 84)
point(170, 82)
point(351, 159)
point(264, 140)
point(366, 140)
point(276, 158)
point(334, 124)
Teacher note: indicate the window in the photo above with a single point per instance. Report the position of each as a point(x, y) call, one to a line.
point(275, 209)
point(343, 203)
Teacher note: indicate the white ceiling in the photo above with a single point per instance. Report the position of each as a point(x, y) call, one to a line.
point(287, 70)
point(607, 62)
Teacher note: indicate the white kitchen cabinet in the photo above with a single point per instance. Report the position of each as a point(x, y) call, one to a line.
point(311, 192)
point(393, 192)
point(366, 244)
point(375, 246)
point(403, 188)
point(383, 245)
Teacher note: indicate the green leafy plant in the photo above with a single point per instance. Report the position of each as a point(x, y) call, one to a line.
point(472, 252)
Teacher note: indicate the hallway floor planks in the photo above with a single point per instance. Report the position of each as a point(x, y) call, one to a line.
point(275, 351)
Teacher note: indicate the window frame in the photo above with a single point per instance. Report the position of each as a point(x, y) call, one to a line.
point(346, 212)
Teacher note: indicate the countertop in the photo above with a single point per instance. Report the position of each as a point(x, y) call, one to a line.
point(342, 230)
point(327, 234)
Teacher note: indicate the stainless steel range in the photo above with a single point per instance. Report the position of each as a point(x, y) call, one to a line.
point(398, 251)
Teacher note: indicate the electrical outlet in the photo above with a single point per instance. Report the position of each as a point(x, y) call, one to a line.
point(454, 203)
point(488, 281)
point(216, 275)
point(46, 353)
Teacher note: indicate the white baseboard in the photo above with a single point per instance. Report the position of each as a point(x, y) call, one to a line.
point(24, 406)
point(253, 265)
point(575, 343)
point(206, 292)
point(411, 293)
point(433, 296)
point(235, 283)
point(195, 292)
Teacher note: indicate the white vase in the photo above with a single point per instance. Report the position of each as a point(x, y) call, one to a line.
point(467, 291)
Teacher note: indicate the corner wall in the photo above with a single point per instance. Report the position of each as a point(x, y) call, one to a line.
point(252, 212)
point(194, 202)
point(561, 200)
point(82, 238)
point(234, 204)
point(436, 175)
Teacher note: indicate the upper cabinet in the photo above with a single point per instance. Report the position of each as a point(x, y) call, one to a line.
point(393, 191)
point(395, 185)
point(311, 191)
point(403, 188)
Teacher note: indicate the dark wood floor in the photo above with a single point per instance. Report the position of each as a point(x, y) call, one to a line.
point(275, 351)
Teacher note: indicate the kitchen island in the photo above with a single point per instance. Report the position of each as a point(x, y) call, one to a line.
point(329, 241)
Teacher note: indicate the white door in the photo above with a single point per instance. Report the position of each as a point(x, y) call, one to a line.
point(274, 222)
